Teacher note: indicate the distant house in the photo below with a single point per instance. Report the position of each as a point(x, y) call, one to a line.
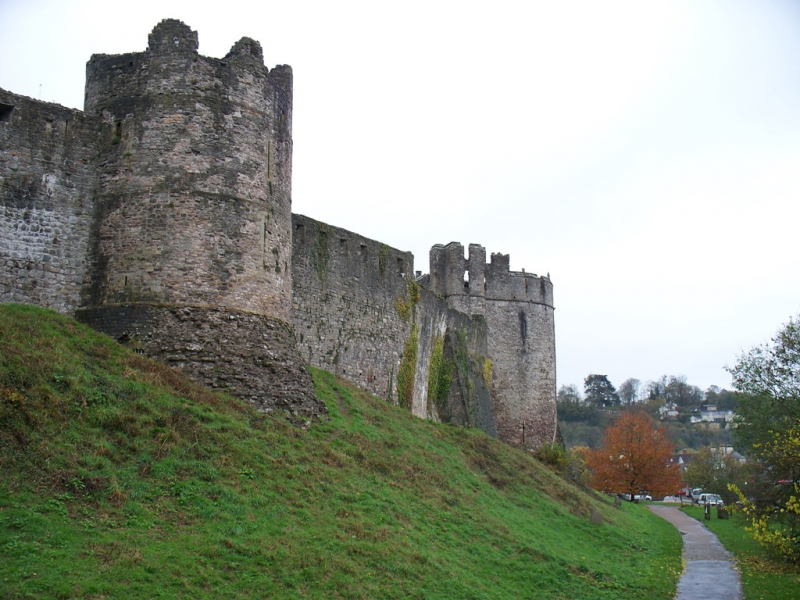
point(669, 411)
point(684, 458)
point(711, 415)
point(728, 451)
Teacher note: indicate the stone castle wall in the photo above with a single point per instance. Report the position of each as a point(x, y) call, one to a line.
point(464, 345)
point(344, 306)
point(251, 356)
point(162, 216)
point(47, 183)
point(357, 312)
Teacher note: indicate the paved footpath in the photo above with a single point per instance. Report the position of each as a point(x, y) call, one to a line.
point(709, 573)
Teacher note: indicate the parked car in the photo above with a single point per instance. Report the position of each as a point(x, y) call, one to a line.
point(712, 499)
point(637, 497)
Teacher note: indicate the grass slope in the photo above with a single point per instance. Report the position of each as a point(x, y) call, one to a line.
point(120, 479)
point(763, 577)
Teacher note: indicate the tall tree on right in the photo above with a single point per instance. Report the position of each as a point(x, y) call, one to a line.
point(769, 430)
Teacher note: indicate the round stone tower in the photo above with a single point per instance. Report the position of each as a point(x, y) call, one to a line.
point(520, 337)
point(192, 243)
point(521, 343)
point(195, 189)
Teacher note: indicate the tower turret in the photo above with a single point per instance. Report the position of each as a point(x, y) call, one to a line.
point(520, 336)
point(192, 248)
point(521, 344)
point(195, 179)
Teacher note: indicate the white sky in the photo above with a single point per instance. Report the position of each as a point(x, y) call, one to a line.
point(645, 154)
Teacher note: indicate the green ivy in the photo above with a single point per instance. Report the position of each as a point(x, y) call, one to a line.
point(408, 367)
point(382, 254)
point(407, 305)
point(440, 376)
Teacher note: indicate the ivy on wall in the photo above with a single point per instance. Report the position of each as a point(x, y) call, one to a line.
point(406, 306)
point(382, 254)
point(408, 366)
point(440, 377)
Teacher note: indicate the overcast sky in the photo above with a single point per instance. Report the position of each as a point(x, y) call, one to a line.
point(645, 154)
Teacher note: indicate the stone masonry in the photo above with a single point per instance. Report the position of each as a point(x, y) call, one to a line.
point(161, 215)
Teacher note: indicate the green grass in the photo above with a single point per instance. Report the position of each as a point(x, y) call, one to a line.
point(120, 479)
point(762, 577)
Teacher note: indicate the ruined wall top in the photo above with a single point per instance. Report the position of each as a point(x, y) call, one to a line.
point(173, 47)
point(453, 275)
point(172, 35)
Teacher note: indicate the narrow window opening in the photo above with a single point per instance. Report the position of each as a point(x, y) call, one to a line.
point(126, 281)
point(343, 245)
point(269, 160)
point(5, 112)
point(363, 253)
point(466, 281)
point(300, 233)
point(523, 327)
point(401, 267)
point(264, 245)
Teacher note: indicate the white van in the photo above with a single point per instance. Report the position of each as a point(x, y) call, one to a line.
point(712, 499)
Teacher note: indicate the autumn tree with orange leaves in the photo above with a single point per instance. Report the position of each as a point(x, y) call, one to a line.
point(634, 457)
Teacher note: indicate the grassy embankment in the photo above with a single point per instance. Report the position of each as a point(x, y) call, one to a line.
point(120, 479)
point(763, 578)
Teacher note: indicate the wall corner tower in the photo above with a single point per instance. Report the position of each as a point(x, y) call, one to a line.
point(191, 248)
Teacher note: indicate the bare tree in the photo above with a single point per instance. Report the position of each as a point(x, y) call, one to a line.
point(629, 391)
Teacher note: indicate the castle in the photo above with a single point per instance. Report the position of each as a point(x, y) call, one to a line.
point(161, 215)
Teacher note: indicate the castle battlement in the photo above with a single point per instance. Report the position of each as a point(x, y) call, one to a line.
point(457, 278)
point(161, 215)
point(172, 65)
point(519, 286)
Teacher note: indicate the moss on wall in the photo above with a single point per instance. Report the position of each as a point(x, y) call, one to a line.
point(440, 376)
point(406, 306)
point(408, 366)
point(382, 254)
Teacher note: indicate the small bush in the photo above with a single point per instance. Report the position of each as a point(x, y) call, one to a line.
point(554, 456)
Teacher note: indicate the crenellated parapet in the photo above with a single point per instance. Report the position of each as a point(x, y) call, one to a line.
point(468, 282)
point(503, 284)
point(518, 308)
